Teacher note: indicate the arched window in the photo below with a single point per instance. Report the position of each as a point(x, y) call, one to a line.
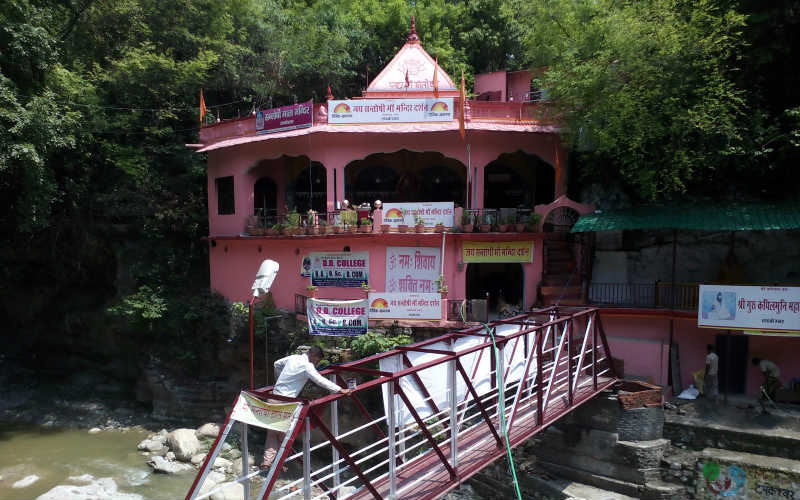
point(265, 196)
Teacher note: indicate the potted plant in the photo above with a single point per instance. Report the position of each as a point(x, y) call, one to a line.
point(366, 289)
point(486, 224)
point(366, 225)
point(502, 224)
point(293, 222)
point(349, 219)
point(324, 228)
point(419, 224)
point(519, 226)
point(312, 291)
point(337, 229)
point(533, 222)
point(274, 230)
point(467, 221)
point(385, 228)
point(439, 228)
point(403, 228)
point(440, 286)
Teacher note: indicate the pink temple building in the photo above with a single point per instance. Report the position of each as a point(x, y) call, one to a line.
point(488, 176)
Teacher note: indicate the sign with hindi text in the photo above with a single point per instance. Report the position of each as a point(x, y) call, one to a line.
point(412, 269)
point(341, 318)
point(285, 118)
point(497, 251)
point(384, 305)
point(762, 308)
point(273, 416)
point(390, 110)
point(432, 213)
point(345, 269)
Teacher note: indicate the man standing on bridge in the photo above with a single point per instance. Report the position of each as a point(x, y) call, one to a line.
point(293, 372)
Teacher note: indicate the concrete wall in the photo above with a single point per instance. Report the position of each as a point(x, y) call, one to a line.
point(519, 84)
point(642, 341)
point(491, 82)
point(728, 474)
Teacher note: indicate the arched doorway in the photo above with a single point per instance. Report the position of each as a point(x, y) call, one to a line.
point(405, 176)
point(502, 285)
point(518, 180)
point(560, 220)
point(265, 196)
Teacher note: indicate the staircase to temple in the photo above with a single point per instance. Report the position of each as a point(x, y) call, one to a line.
point(560, 282)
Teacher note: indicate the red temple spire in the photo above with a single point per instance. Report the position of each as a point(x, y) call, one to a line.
point(412, 36)
point(329, 96)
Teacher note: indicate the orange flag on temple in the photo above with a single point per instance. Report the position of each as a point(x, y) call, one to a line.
point(408, 82)
point(436, 78)
point(202, 106)
point(462, 97)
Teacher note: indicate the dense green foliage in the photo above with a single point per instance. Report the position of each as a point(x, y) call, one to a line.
point(104, 208)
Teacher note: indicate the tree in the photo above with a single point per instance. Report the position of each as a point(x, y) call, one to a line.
point(645, 85)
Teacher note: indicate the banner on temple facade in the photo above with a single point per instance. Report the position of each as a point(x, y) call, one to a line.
point(390, 110)
point(384, 305)
point(341, 318)
point(253, 411)
point(497, 251)
point(345, 269)
point(754, 308)
point(285, 118)
point(432, 213)
point(412, 269)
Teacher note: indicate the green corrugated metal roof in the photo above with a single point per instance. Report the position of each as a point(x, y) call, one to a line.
point(707, 217)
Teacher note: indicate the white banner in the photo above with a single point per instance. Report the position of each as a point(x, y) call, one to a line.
point(412, 269)
point(342, 318)
point(345, 269)
point(405, 305)
point(390, 110)
point(253, 411)
point(775, 308)
point(432, 213)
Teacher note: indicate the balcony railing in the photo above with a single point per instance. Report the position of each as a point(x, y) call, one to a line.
point(472, 309)
point(650, 295)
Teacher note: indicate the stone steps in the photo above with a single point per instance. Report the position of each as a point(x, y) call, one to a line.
point(652, 490)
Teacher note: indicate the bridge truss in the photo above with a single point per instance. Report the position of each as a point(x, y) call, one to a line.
point(422, 444)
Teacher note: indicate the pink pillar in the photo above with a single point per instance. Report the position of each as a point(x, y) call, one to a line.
point(477, 183)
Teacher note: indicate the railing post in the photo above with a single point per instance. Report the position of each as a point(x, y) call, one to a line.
point(594, 351)
point(392, 452)
point(306, 459)
point(539, 416)
point(451, 383)
point(570, 362)
point(335, 431)
point(245, 462)
point(501, 383)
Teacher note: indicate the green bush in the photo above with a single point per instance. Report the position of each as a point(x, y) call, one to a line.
point(374, 342)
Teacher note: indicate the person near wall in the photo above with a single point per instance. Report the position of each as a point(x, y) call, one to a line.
point(711, 378)
point(772, 380)
point(293, 372)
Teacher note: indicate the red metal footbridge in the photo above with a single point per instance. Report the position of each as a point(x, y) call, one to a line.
point(440, 422)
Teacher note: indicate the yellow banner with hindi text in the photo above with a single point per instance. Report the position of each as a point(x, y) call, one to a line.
point(497, 251)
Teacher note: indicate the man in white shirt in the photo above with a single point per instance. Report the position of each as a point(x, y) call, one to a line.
point(293, 372)
point(711, 379)
point(772, 380)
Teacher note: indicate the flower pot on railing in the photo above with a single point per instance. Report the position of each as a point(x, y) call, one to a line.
point(385, 228)
point(420, 228)
point(502, 228)
point(365, 228)
point(519, 227)
point(468, 228)
point(439, 228)
point(484, 228)
point(337, 229)
point(403, 228)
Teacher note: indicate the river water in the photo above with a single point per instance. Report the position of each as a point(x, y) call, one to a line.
point(54, 455)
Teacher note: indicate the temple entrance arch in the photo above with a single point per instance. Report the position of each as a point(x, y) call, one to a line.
point(501, 284)
point(518, 180)
point(292, 182)
point(405, 176)
point(309, 188)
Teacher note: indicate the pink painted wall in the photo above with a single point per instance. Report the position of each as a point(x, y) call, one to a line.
point(643, 343)
point(491, 82)
point(519, 84)
point(234, 263)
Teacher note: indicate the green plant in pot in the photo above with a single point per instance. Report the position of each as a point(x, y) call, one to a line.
point(419, 224)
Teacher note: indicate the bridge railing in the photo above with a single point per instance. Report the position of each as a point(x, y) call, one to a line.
point(441, 408)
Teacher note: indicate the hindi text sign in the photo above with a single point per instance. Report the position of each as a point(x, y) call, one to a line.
point(764, 308)
point(412, 269)
point(285, 118)
point(341, 318)
point(390, 110)
point(345, 269)
point(384, 305)
point(253, 411)
point(395, 214)
point(497, 251)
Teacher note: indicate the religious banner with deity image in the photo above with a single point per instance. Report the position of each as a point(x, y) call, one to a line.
point(412, 269)
point(760, 308)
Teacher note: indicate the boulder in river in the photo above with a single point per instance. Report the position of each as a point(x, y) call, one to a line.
point(183, 443)
point(164, 466)
point(104, 487)
point(207, 430)
point(232, 491)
